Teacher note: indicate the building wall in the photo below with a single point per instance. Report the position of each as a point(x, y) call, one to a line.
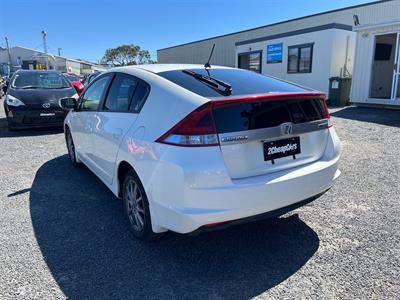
point(342, 40)
point(328, 56)
point(224, 54)
point(86, 69)
point(361, 84)
point(74, 65)
point(61, 64)
point(18, 54)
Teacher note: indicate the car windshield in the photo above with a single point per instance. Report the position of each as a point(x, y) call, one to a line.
point(72, 77)
point(242, 82)
point(39, 80)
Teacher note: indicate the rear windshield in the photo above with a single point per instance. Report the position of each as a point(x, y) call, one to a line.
point(243, 82)
point(72, 77)
point(39, 80)
point(267, 113)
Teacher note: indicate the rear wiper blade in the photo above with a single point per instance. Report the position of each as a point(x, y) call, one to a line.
point(221, 86)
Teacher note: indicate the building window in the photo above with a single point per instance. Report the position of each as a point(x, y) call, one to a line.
point(250, 61)
point(300, 58)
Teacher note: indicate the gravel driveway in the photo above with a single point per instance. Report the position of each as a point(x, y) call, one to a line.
point(62, 233)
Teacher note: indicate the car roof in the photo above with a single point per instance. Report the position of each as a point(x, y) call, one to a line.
point(158, 68)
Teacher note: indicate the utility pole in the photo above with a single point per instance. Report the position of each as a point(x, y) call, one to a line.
point(45, 47)
point(44, 41)
point(9, 53)
point(59, 51)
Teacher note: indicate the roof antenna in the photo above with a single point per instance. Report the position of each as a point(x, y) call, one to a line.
point(207, 64)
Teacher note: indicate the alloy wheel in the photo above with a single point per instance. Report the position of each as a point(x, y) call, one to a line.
point(71, 147)
point(135, 205)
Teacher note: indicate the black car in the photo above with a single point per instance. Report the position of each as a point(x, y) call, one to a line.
point(32, 99)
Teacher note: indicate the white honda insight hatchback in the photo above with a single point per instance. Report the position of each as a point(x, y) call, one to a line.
point(189, 148)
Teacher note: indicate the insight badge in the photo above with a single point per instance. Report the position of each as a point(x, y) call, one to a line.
point(236, 138)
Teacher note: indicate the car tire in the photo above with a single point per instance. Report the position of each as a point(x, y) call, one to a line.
point(10, 127)
point(136, 208)
point(71, 148)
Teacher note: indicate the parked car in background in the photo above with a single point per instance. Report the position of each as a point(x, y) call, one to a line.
point(88, 78)
point(33, 96)
point(189, 148)
point(75, 81)
point(2, 86)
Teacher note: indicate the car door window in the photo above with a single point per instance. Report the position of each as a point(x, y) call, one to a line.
point(121, 92)
point(94, 93)
point(140, 96)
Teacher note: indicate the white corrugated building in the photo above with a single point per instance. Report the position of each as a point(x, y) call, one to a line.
point(307, 50)
point(376, 78)
point(22, 57)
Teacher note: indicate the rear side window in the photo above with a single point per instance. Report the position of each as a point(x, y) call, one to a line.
point(243, 82)
point(268, 113)
point(140, 96)
point(120, 94)
point(94, 93)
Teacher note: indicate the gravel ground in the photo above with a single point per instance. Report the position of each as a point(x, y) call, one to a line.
point(62, 233)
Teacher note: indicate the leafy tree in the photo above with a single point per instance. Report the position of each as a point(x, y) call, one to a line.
point(126, 55)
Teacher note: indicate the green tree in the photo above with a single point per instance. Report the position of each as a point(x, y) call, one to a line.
point(126, 55)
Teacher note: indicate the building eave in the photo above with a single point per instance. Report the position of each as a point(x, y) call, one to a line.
point(377, 25)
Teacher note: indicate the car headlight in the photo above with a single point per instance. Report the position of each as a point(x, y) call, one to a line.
point(76, 96)
point(12, 101)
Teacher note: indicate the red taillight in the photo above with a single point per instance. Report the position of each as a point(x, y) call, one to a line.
point(195, 130)
point(213, 224)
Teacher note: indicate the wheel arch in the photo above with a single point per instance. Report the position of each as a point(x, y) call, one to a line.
point(123, 168)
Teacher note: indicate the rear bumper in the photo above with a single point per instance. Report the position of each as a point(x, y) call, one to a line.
point(267, 215)
point(28, 118)
point(246, 198)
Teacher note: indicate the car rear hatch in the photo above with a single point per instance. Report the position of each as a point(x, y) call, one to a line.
point(268, 133)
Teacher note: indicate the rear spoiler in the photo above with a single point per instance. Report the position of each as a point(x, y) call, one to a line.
point(272, 96)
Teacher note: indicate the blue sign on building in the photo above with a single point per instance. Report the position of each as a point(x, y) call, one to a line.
point(274, 53)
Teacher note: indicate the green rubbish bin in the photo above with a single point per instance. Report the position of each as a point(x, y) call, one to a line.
point(339, 91)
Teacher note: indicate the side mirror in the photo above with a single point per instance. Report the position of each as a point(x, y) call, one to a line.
point(69, 103)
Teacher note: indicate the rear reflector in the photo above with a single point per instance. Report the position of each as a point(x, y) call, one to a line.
point(328, 115)
point(196, 130)
point(329, 123)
